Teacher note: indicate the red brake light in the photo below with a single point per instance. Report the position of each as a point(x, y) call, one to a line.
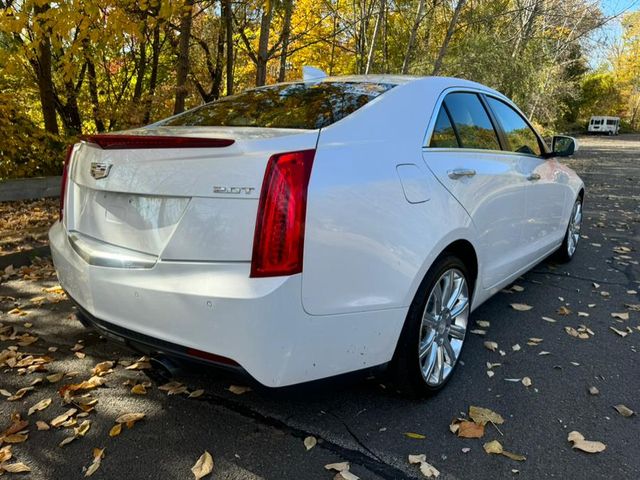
point(278, 242)
point(120, 142)
point(65, 177)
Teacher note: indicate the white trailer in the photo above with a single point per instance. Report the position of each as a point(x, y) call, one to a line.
point(603, 124)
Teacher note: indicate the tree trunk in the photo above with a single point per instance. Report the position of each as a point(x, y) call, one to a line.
point(93, 92)
point(412, 38)
point(228, 28)
point(286, 33)
point(141, 67)
point(153, 78)
point(447, 38)
point(263, 44)
point(182, 70)
point(42, 69)
point(376, 27)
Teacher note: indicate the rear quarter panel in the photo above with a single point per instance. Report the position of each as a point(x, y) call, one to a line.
point(366, 246)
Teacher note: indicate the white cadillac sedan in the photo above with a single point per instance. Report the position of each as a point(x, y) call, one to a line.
point(308, 229)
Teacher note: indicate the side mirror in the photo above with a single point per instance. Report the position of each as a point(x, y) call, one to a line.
point(563, 146)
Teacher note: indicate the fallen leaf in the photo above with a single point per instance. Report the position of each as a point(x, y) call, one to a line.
point(515, 348)
point(41, 405)
point(619, 332)
point(484, 415)
point(60, 419)
point(115, 430)
point(470, 429)
point(239, 390)
point(429, 470)
point(42, 425)
point(98, 454)
point(130, 418)
point(18, 467)
point(56, 377)
point(563, 311)
point(588, 446)
point(549, 319)
point(103, 368)
point(483, 323)
point(139, 389)
point(624, 410)
point(526, 381)
point(594, 390)
point(15, 438)
point(517, 288)
point(203, 467)
point(521, 307)
point(19, 394)
point(142, 363)
point(310, 442)
point(196, 393)
point(413, 459)
point(621, 316)
point(338, 467)
point(495, 447)
point(415, 436)
point(491, 346)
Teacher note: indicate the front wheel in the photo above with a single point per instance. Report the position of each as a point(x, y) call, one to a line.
point(435, 329)
point(572, 236)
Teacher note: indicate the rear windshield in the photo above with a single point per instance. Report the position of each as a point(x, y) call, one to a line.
point(296, 105)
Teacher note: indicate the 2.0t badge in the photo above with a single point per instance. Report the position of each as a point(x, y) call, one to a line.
point(100, 170)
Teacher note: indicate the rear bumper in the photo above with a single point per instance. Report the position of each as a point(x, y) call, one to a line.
point(259, 323)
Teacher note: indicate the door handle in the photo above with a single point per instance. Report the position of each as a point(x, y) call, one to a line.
point(461, 172)
point(534, 176)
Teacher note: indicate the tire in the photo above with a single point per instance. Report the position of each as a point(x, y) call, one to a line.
point(572, 236)
point(418, 375)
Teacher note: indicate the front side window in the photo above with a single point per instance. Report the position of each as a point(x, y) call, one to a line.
point(471, 121)
point(443, 134)
point(294, 105)
point(520, 135)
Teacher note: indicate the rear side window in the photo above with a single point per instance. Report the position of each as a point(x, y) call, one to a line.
point(611, 122)
point(471, 121)
point(443, 135)
point(520, 135)
point(294, 105)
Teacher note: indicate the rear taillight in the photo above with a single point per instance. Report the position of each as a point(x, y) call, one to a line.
point(129, 142)
point(278, 242)
point(65, 177)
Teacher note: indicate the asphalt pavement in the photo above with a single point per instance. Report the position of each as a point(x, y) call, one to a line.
point(360, 419)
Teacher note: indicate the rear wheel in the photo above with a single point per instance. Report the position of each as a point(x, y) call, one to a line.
point(435, 329)
point(572, 236)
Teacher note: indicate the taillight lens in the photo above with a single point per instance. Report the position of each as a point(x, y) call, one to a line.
point(278, 242)
point(65, 177)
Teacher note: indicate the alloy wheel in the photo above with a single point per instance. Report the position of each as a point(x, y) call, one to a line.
point(443, 327)
point(573, 232)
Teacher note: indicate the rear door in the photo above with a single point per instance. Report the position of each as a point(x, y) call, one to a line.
point(547, 185)
point(464, 152)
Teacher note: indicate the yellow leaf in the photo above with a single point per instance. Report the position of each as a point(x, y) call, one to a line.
point(494, 447)
point(416, 436)
point(521, 307)
point(41, 405)
point(203, 467)
point(139, 389)
point(484, 415)
point(310, 442)
point(588, 446)
point(115, 430)
point(130, 417)
point(15, 467)
point(239, 390)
